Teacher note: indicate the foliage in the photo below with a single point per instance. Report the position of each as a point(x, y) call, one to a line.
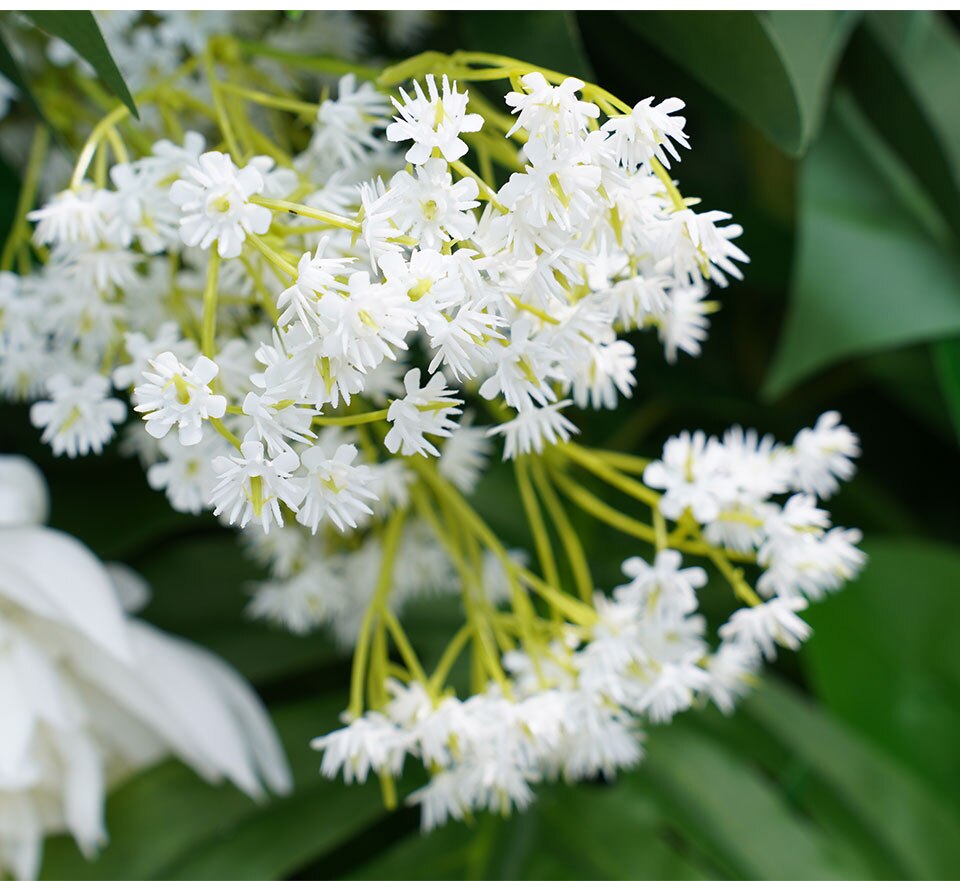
point(835, 140)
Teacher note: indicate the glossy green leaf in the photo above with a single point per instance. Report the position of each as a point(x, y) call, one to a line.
point(79, 29)
point(774, 67)
point(894, 804)
point(735, 814)
point(901, 688)
point(903, 68)
point(167, 822)
point(548, 38)
point(873, 269)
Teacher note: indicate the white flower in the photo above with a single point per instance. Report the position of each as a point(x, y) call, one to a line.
point(213, 198)
point(664, 584)
point(90, 694)
point(335, 488)
point(465, 455)
point(648, 131)
point(433, 121)
point(186, 473)
point(763, 627)
point(430, 207)
point(75, 215)
point(175, 394)
point(822, 456)
point(316, 276)
point(302, 601)
point(277, 423)
point(673, 690)
point(683, 322)
point(555, 113)
point(689, 476)
point(79, 417)
point(253, 487)
point(347, 126)
point(371, 742)
point(421, 411)
point(732, 670)
point(533, 428)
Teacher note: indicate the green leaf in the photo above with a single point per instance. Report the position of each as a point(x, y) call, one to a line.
point(898, 809)
point(11, 70)
point(873, 269)
point(79, 29)
point(735, 814)
point(571, 832)
point(775, 68)
point(901, 687)
point(903, 68)
point(167, 822)
point(947, 357)
point(549, 39)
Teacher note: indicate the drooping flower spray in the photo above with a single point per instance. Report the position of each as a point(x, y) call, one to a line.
point(330, 315)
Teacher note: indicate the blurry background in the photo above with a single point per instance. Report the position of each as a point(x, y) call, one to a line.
point(834, 139)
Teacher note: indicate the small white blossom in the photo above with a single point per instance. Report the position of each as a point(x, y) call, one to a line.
point(79, 418)
point(433, 121)
point(421, 411)
point(252, 487)
point(767, 625)
point(175, 394)
point(335, 488)
point(214, 200)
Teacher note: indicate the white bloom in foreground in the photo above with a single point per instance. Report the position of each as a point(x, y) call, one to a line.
point(79, 417)
point(420, 412)
point(91, 695)
point(214, 202)
point(434, 120)
point(178, 395)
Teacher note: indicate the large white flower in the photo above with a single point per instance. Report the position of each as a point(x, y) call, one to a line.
point(90, 694)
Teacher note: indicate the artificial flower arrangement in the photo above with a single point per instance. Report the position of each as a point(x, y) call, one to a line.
point(331, 315)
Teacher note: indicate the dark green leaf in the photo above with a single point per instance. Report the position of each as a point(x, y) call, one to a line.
point(735, 814)
point(947, 356)
point(79, 29)
point(550, 39)
point(901, 688)
point(873, 268)
point(903, 69)
point(775, 68)
point(11, 70)
point(895, 805)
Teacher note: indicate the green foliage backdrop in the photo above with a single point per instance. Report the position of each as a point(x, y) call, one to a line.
point(834, 138)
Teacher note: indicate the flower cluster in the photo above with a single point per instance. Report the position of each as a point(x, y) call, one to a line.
point(574, 709)
point(328, 335)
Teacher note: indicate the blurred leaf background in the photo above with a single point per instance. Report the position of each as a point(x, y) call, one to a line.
point(834, 139)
